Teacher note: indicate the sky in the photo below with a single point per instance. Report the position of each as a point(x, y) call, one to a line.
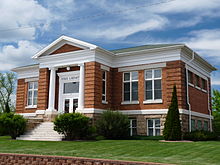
point(27, 26)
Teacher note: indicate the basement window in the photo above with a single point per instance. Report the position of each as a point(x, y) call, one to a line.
point(153, 127)
point(133, 127)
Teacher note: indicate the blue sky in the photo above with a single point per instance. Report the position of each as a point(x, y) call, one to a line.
point(26, 26)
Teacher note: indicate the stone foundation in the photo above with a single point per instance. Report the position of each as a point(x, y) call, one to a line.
point(26, 159)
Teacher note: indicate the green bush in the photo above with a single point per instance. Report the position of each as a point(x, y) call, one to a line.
point(113, 125)
point(12, 124)
point(172, 126)
point(200, 136)
point(74, 126)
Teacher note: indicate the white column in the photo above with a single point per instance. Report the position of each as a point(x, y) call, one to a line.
point(51, 103)
point(81, 88)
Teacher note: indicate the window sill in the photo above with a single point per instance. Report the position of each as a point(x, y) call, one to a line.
point(31, 106)
point(129, 102)
point(190, 84)
point(153, 101)
point(198, 88)
point(104, 102)
point(204, 90)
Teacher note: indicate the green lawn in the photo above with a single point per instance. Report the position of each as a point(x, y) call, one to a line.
point(136, 150)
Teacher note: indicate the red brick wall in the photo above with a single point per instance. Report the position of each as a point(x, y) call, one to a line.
point(198, 98)
point(27, 159)
point(173, 73)
point(93, 86)
point(43, 89)
point(66, 48)
point(20, 96)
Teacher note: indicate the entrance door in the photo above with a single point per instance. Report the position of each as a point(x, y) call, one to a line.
point(68, 91)
point(70, 105)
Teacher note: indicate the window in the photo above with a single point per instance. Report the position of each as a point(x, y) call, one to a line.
point(32, 93)
point(133, 127)
point(153, 86)
point(204, 84)
point(71, 87)
point(190, 77)
point(130, 82)
point(193, 125)
point(104, 86)
point(199, 125)
point(197, 81)
point(205, 126)
point(153, 127)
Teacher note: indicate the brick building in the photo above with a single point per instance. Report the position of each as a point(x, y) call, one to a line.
point(75, 76)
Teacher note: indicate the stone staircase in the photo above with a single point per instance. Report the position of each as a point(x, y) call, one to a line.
point(43, 132)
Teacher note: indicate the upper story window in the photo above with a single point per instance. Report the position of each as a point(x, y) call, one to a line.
point(190, 77)
point(71, 87)
point(130, 86)
point(104, 77)
point(204, 84)
point(197, 81)
point(153, 84)
point(32, 93)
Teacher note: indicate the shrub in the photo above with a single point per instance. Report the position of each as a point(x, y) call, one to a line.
point(12, 124)
point(172, 127)
point(74, 126)
point(113, 125)
point(200, 136)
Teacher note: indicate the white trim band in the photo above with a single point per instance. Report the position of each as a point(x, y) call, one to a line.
point(142, 67)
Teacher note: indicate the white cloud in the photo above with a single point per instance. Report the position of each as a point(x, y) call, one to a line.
point(126, 29)
point(22, 13)
point(12, 56)
point(178, 6)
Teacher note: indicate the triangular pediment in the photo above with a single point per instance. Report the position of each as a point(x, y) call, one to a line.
point(64, 44)
point(66, 48)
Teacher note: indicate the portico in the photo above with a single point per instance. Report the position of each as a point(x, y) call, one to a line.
point(71, 90)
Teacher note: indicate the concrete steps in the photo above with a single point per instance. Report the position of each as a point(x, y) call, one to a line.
point(43, 132)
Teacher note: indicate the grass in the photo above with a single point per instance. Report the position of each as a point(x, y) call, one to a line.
point(195, 153)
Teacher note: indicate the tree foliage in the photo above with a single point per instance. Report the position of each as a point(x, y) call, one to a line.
point(216, 111)
point(216, 103)
point(113, 125)
point(7, 87)
point(172, 127)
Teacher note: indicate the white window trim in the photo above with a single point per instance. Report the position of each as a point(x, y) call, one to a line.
point(104, 101)
point(154, 127)
point(152, 101)
point(130, 81)
point(190, 84)
point(131, 126)
point(32, 98)
point(152, 79)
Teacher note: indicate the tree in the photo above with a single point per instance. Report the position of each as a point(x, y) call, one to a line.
point(172, 127)
point(7, 87)
point(216, 103)
point(216, 111)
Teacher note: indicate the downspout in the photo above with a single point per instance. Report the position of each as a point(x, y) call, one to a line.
point(187, 90)
point(210, 112)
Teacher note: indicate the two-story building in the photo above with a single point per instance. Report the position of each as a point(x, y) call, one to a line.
point(76, 76)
